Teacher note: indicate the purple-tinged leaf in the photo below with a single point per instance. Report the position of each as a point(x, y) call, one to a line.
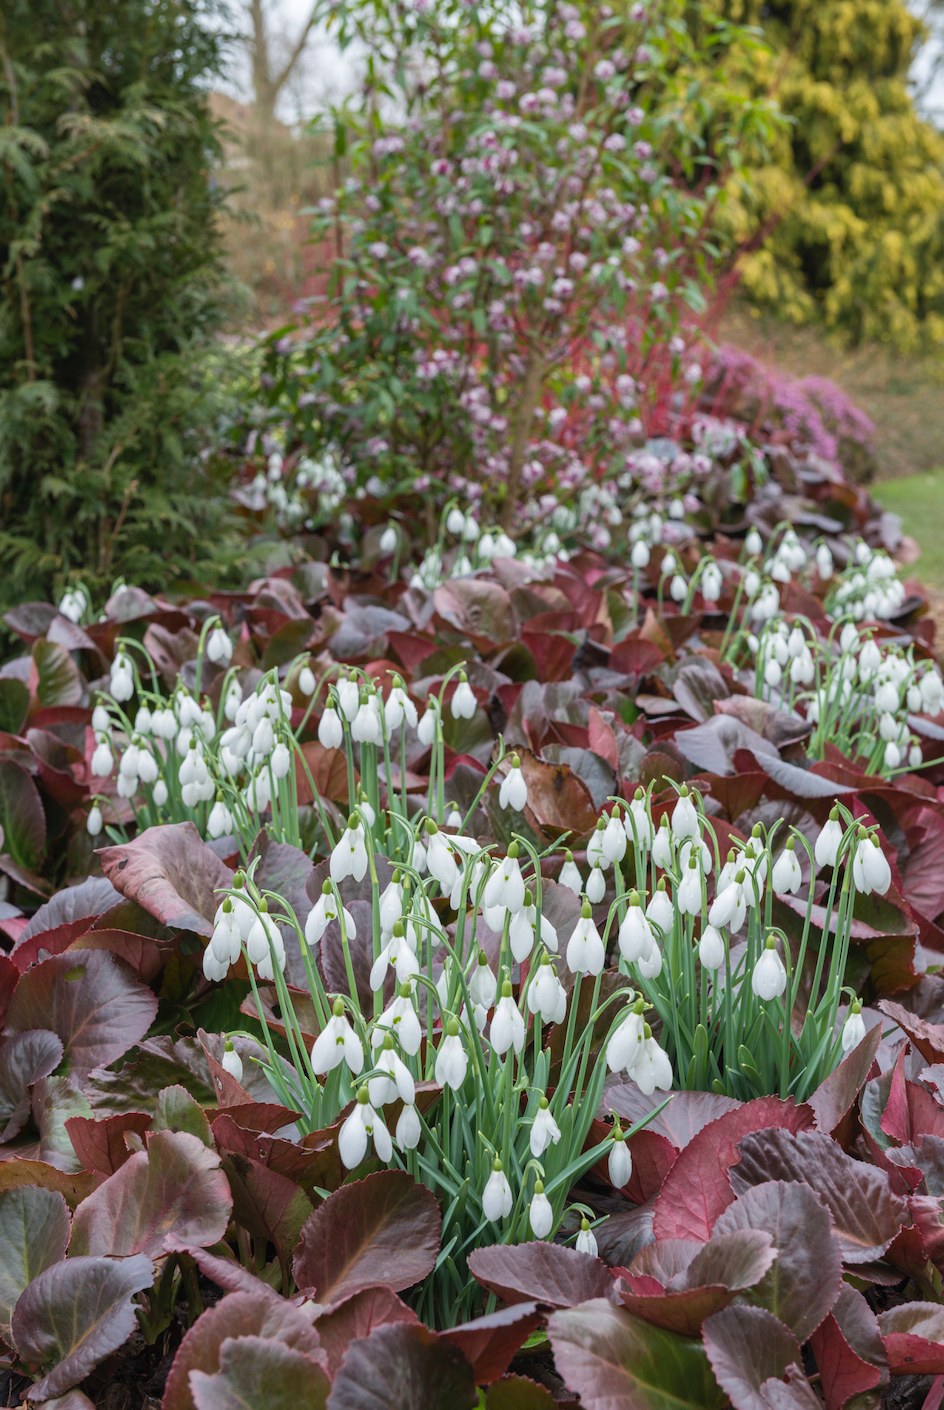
point(177, 1111)
point(356, 1317)
point(172, 874)
point(265, 1203)
point(550, 1273)
point(849, 1351)
point(836, 1096)
point(519, 1393)
point(866, 1213)
point(24, 1059)
point(258, 1374)
point(97, 1008)
point(229, 1275)
point(403, 1367)
point(697, 1279)
point(914, 1338)
point(101, 1144)
point(240, 1314)
point(75, 906)
point(58, 679)
point(489, 1343)
point(612, 1359)
point(804, 1280)
point(749, 1349)
point(75, 1314)
point(168, 1197)
point(22, 820)
point(34, 1233)
point(697, 1187)
point(382, 1229)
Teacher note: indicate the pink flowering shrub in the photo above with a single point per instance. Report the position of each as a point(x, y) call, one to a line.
point(518, 248)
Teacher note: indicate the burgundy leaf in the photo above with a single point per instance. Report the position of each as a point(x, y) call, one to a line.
point(550, 1273)
point(697, 1188)
point(357, 1316)
point(226, 1273)
point(34, 1233)
point(748, 1348)
point(382, 1229)
point(490, 1342)
point(170, 1196)
point(914, 1338)
point(96, 1007)
point(240, 1314)
point(266, 1204)
point(77, 907)
point(697, 1279)
point(257, 1374)
point(849, 1351)
point(100, 1144)
point(76, 1313)
point(836, 1095)
point(172, 874)
point(611, 1359)
point(866, 1214)
point(24, 1059)
point(403, 1367)
point(22, 820)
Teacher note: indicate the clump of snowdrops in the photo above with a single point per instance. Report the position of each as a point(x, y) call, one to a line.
point(479, 1064)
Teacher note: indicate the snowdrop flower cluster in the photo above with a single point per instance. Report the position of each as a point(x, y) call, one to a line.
point(869, 589)
point(74, 603)
point(857, 691)
point(697, 937)
point(453, 1054)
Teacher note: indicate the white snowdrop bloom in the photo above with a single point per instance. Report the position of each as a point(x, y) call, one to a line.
point(121, 678)
point(886, 695)
point(213, 970)
point(483, 985)
point(826, 850)
point(915, 756)
point(399, 953)
point(824, 562)
point(74, 603)
point(363, 1125)
point(586, 953)
point(870, 869)
point(388, 541)
point(660, 910)
point(678, 588)
point(507, 1028)
point(753, 543)
point(932, 691)
point(625, 1043)
point(769, 977)
point(220, 821)
point(505, 885)
point(787, 874)
point(219, 647)
point(226, 937)
point(440, 861)
point(540, 1213)
point(662, 848)
point(546, 997)
point(148, 768)
point(366, 727)
point(408, 1128)
point(399, 1018)
point(870, 659)
point(669, 564)
point(497, 1200)
point(688, 895)
point(637, 823)
point(391, 904)
point(452, 1060)
point(330, 729)
point(392, 1078)
point(159, 793)
point(426, 727)
point(697, 847)
point(521, 931)
point(349, 857)
point(231, 1062)
point(773, 672)
point(729, 908)
point(454, 817)
point(306, 681)
point(891, 755)
point(639, 554)
point(263, 738)
point(455, 522)
point(463, 704)
point(545, 1131)
point(232, 700)
point(336, 1043)
point(711, 950)
point(596, 884)
point(103, 761)
point(636, 939)
point(614, 841)
point(101, 720)
point(399, 708)
point(263, 934)
point(711, 582)
point(513, 792)
point(652, 1069)
point(853, 1030)
point(650, 966)
point(128, 765)
point(142, 720)
point(619, 1162)
point(348, 692)
point(280, 761)
point(94, 822)
point(586, 1240)
point(570, 875)
point(322, 913)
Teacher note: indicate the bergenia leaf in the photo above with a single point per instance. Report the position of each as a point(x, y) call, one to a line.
point(558, 1276)
point(849, 1351)
point(749, 1349)
point(403, 1365)
point(258, 1374)
point(914, 1338)
point(172, 874)
point(34, 1233)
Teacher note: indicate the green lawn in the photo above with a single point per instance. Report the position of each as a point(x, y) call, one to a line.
point(919, 499)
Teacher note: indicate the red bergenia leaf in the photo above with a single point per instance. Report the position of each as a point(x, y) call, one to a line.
point(489, 1343)
point(357, 1316)
point(172, 874)
point(914, 1338)
point(755, 1359)
point(403, 1365)
point(34, 1234)
point(24, 1059)
point(550, 1273)
point(697, 1188)
point(258, 1374)
point(382, 1229)
point(835, 1096)
point(849, 1351)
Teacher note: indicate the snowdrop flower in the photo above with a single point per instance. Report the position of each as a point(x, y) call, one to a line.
point(711, 948)
point(219, 647)
point(585, 950)
point(688, 896)
point(540, 1213)
point(497, 1201)
point(440, 862)
point(455, 522)
point(398, 952)
point(337, 1043)
point(625, 1043)
point(505, 885)
point(323, 912)
point(408, 1129)
point(769, 977)
point(388, 541)
point(787, 874)
point(729, 908)
point(362, 1126)
point(103, 761)
point(853, 1030)
point(159, 793)
point(827, 846)
point(399, 708)
point(614, 840)
point(678, 588)
point(620, 1162)
point(427, 726)
point(463, 704)
point(101, 720)
point(586, 1240)
point(74, 603)
point(392, 1079)
point(263, 942)
point(547, 998)
point(596, 884)
point(507, 1030)
point(330, 729)
point(483, 986)
point(753, 543)
point(348, 693)
point(514, 790)
point(226, 937)
point(121, 678)
point(711, 582)
point(662, 849)
point(220, 821)
point(650, 966)
point(349, 857)
point(366, 727)
point(636, 939)
point(94, 822)
point(637, 823)
point(870, 869)
point(652, 1068)
point(213, 969)
point(570, 875)
point(306, 681)
point(684, 817)
point(544, 1130)
point(660, 910)
point(399, 1018)
point(231, 1062)
point(452, 1060)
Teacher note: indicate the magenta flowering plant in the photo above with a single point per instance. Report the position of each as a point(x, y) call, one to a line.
point(522, 235)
